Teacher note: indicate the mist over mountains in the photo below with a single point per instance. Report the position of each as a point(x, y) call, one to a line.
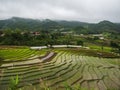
point(26, 24)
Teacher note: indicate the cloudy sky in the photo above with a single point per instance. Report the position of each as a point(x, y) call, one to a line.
point(80, 10)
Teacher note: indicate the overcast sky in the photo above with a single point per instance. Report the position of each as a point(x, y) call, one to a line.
point(80, 10)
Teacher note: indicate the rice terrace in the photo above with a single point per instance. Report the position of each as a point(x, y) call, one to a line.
point(57, 69)
point(59, 44)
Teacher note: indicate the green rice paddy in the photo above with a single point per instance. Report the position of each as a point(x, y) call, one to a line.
point(87, 72)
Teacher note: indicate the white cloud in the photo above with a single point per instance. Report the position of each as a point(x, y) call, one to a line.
point(81, 10)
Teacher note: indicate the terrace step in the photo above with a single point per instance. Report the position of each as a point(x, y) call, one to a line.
point(88, 72)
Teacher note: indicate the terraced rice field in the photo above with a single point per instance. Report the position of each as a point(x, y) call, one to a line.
point(19, 54)
point(66, 67)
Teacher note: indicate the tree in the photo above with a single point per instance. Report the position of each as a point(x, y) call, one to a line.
point(80, 42)
point(96, 38)
point(68, 39)
point(115, 46)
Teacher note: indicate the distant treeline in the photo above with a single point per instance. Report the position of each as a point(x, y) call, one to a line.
point(42, 38)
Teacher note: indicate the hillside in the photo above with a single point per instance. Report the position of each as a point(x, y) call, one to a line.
point(53, 25)
point(105, 26)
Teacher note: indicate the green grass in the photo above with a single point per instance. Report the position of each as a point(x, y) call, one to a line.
point(105, 48)
point(19, 54)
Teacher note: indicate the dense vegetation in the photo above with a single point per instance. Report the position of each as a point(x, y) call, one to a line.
point(110, 42)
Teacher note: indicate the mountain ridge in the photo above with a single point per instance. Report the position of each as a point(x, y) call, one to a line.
point(48, 24)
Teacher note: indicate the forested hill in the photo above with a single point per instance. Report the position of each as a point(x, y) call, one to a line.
point(24, 24)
